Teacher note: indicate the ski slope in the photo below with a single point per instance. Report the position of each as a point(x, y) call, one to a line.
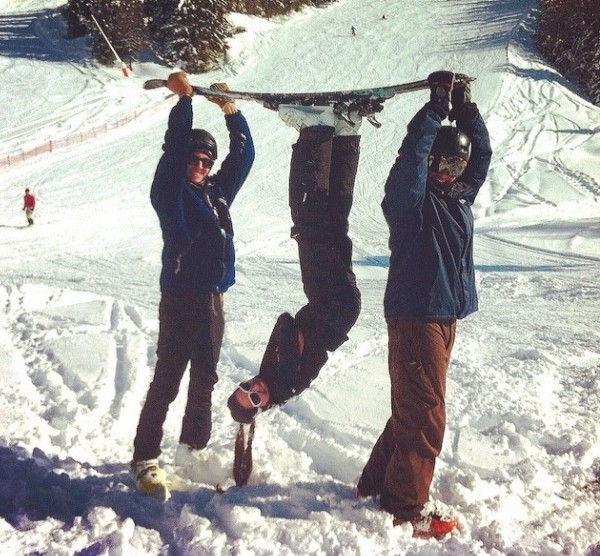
point(79, 296)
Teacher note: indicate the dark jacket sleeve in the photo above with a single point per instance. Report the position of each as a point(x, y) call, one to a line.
point(405, 185)
point(481, 155)
point(239, 160)
point(172, 166)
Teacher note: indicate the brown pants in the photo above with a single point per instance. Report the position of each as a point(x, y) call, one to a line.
point(401, 465)
point(191, 331)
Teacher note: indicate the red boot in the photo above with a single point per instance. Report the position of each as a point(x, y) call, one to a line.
point(430, 526)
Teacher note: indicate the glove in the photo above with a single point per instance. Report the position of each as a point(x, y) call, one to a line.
point(224, 103)
point(463, 110)
point(461, 92)
point(440, 85)
point(178, 83)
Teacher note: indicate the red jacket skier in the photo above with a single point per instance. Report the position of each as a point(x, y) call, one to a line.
point(29, 206)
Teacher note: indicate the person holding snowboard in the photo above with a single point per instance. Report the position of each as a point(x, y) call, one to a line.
point(29, 206)
point(431, 283)
point(323, 169)
point(192, 206)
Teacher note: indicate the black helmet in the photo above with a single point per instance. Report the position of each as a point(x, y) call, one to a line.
point(201, 140)
point(451, 141)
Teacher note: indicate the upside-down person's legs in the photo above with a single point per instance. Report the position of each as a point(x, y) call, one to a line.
point(344, 166)
point(326, 264)
point(345, 155)
point(326, 260)
point(320, 199)
point(310, 169)
point(309, 182)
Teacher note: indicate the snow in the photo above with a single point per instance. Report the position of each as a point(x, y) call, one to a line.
point(79, 294)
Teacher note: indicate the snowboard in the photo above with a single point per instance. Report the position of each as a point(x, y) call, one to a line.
point(368, 101)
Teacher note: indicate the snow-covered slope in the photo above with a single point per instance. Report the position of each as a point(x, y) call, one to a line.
point(79, 293)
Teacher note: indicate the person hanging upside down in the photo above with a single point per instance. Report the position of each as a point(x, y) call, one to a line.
point(323, 169)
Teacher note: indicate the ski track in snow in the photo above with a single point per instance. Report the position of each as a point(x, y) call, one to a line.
point(79, 296)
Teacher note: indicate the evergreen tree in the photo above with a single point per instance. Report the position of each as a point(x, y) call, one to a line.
point(135, 32)
point(192, 35)
point(122, 21)
point(569, 36)
point(76, 14)
point(159, 10)
point(160, 14)
point(271, 8)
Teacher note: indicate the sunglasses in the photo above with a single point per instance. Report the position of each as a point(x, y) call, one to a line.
point(453, 165)
point(204, 162)
point(253, 397)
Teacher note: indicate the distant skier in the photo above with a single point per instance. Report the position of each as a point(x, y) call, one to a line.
point(29, 206)
point(353, 31)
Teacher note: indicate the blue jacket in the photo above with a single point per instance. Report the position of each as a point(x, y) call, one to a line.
point(198, 254)
point(431, 274)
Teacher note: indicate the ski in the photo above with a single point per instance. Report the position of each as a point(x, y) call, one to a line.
point(375, 95)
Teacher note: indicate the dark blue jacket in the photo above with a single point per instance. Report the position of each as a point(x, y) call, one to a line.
point(198, 254)
point(431, 274)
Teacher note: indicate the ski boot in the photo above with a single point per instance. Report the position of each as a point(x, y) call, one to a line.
point(150, 479)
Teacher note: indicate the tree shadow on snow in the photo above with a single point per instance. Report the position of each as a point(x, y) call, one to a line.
point(37, 488)
point(39, 36)
point(490, 18)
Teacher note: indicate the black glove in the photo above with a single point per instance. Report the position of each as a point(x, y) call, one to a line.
point(461, 92)
point(463, 110)
point(440, 85)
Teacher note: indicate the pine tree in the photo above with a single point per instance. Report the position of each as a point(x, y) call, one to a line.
point(271, 8)
point(122, 21)
point(158, 10)
point(569, 36)
point(193, 35)
point(135, 32)
point(76, 14)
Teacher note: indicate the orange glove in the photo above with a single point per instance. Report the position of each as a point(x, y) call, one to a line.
point(224, 103)
point(178, 83)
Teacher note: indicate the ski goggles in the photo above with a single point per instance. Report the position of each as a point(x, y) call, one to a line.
point(203, 162)
point(454, 166)
point(253, 397)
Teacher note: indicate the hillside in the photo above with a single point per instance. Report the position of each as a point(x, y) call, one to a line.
point(79, 295)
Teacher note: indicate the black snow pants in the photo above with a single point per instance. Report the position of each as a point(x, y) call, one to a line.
point(321, 187)
point(191, 332)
